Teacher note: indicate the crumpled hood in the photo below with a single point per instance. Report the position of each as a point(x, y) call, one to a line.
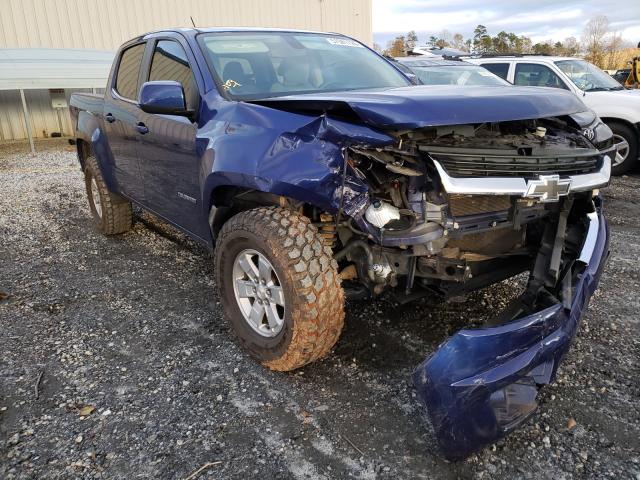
point(423, 106)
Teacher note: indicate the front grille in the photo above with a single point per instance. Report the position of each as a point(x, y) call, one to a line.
point(461, 205)
point(507, 165)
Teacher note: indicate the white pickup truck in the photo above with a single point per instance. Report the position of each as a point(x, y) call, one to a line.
point(617, 107)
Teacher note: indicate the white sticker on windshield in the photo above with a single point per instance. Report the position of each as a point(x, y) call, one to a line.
point(343, 42)
point(485, 73)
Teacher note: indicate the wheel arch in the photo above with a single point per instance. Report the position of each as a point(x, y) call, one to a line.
point(226, 201)
point(83, 150)
point(633, 126)
point(633, 149)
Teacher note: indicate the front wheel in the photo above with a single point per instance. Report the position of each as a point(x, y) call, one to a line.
point(626, 141)
point(279, 287)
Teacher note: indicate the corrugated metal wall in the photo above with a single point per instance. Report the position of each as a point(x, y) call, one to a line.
point(105, 24)
point(44, 119)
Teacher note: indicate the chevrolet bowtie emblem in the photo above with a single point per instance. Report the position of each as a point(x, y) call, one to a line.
point(548, 188)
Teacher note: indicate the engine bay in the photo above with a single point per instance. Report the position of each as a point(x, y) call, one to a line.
point(416, 233)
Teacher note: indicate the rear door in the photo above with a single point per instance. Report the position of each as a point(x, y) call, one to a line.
point(167, 151)
point(120, 110)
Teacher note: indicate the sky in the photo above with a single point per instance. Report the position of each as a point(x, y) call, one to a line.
point(537, 19)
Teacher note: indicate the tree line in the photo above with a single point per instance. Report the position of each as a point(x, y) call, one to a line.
point(599, 44)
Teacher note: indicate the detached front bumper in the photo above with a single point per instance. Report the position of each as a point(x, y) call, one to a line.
point(482, 383)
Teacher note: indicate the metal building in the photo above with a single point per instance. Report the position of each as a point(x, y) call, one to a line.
point(105, 24)
point(43, 79)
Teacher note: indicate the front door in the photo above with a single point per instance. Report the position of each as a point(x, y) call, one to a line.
point(167, 151)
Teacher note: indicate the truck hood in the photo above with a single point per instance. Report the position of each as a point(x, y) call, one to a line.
point(620, 98)
point(425, 106)
point(618, 95)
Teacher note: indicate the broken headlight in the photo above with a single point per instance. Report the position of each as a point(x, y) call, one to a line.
point(594, 129)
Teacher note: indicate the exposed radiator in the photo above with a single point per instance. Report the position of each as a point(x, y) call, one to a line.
point(461, 205)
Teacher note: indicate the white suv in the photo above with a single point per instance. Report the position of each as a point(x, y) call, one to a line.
point(617, 107)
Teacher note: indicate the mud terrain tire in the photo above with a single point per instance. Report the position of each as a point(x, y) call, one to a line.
point(314, 299)
point(112, 213)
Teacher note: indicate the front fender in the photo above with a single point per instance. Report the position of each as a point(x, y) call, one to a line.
point(282, 153)
point(621, 106)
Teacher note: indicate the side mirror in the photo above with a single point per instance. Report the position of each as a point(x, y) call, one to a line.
point(164, 97)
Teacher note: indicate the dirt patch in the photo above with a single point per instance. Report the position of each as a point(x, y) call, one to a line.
point(14, 147)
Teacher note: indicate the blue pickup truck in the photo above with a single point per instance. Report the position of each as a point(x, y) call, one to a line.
point(318, 172)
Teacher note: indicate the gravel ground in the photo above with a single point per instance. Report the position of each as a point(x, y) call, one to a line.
point(116, 362)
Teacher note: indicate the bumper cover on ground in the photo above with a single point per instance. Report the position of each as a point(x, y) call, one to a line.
point(482, 383)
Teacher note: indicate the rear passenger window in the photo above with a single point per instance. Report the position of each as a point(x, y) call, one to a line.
point(499, 69)
point(536, 75)
point(128, 70)
point(170, 63)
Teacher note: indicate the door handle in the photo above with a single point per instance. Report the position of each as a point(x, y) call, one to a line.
point(142, 128)
point(109, 118)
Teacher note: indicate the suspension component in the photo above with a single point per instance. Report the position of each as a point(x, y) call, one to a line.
point(327, 229)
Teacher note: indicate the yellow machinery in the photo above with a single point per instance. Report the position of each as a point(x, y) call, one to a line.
point(633, 80)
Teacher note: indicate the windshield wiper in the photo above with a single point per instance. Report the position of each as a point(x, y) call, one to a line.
point(604, 89)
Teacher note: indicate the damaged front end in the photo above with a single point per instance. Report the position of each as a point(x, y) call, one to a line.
point(438, 208)
point(454, 209)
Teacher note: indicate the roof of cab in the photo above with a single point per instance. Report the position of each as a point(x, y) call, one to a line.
point(235, 29)
point(547, 58)
point(190, 31)
point(431, 62)
point(257, 29)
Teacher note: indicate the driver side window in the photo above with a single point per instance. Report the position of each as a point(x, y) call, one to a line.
point(536, 75)
point(170, 62)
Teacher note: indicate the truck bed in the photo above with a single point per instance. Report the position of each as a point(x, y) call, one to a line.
point(92, 103)
point(89, 102)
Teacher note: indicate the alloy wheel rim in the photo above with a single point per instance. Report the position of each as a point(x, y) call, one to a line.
point(258, 292)
point(622, 149)
point(95, 195)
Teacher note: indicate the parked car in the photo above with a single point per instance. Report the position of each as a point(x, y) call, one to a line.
point(617, 107)
point(440, 71)
point(621, 76)
point(318, 172)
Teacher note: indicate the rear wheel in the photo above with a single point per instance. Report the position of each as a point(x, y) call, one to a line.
point(279, 287)
point(112, 213)
point(626, 140)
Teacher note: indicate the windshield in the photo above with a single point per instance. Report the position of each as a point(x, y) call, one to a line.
point(252, 65)
point(470, 75)
point(587, 77)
